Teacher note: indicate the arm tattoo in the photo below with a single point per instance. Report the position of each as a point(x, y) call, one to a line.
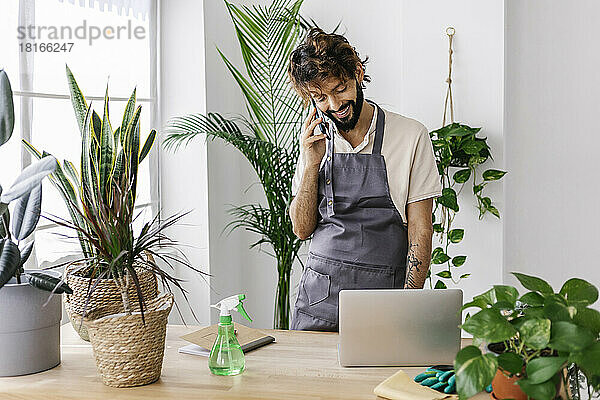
point(412, 266)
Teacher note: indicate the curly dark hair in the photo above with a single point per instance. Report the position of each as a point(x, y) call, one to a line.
point(321, 56)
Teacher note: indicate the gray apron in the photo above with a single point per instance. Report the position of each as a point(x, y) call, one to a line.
point(360, 241)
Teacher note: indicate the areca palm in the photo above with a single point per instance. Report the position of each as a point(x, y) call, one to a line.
point(268, 137)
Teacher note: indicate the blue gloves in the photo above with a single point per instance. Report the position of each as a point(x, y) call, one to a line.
point(439, 379)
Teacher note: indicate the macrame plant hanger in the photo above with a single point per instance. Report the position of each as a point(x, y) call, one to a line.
point(448, 104)
point(450, 31)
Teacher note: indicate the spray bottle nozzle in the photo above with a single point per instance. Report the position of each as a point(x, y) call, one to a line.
point(231, 303)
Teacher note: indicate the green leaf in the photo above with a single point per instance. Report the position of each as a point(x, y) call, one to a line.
point(476, 160)
point(437, 228)
point(541, 391)
point(566, 336)
point(10, 259)
point(487, 202)
point(475, 303)
point(532, 299)
point(77, 100)
point(493, 175)
point(478, 188)
point(438, 256)
point(474, 371)
point(544, 368)
point(588, 318)
point(7, 108)
point(494, 211)
point(588, 359)
point(147, 145)
point(26, 213)
point(440, 285)
point(107, 150)
point(464, 276)
point(555, 309)
point(489, 297)
point(472, 147)
point(29, 179)
point(535, 312)
point(456, 235)
point(448, 199)
point(535, 332)
point(459, 260)
point(533, 283)
point(444, 274)
point(579, 292)
point(48, 283)
point(506, 293)
point(490, 325)
point(510, 362)
point(503, 305)
point(462, 175)
point(127, 115)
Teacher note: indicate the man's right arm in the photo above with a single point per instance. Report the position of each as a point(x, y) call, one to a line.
point(303, 209)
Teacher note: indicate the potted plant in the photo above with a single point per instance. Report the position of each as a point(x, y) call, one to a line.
point(30, 329)
point(127, 327)
point(536, 337)
point(110, 160)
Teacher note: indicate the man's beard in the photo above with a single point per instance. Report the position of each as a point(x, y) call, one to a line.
point(348, 123)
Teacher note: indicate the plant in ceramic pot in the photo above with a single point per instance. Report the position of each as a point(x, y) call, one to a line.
point(30, 315)
point(110, 159)
point(536, 337)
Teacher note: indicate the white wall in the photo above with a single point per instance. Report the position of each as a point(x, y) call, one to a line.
point(183, 174)
point(551, 123)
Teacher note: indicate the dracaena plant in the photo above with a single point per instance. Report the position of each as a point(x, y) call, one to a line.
point(268, 138)
point(459, 154)
point(25, 194)
point(540, 334)
point(100, 198)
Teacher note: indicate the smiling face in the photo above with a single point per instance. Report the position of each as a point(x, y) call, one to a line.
point(340, 100)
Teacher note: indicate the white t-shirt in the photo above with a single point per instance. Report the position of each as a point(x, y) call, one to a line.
point(408, 153)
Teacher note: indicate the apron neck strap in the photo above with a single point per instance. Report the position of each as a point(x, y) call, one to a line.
point(377, 144)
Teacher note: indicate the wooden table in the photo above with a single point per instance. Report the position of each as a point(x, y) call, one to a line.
point(300, 365)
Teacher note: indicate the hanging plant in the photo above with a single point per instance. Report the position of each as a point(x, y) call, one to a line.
point(459, 155)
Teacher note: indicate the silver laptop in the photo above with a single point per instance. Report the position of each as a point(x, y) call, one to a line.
point(399, 327)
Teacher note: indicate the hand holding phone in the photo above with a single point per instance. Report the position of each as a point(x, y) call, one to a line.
point(321, 125)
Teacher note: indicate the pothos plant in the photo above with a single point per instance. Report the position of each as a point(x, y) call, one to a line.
point(542, 337)
point(459, 156)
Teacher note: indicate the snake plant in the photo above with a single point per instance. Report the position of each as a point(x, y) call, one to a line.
point(268, 137)
point(26, 196)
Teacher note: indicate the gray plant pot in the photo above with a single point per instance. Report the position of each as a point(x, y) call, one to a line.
point(29, 333)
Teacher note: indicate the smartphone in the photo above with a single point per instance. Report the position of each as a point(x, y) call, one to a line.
point(321, 125)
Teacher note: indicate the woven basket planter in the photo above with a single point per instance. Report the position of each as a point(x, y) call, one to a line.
point(127, 351)
point(105, 293)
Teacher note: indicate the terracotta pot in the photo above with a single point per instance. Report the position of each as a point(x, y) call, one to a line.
point(505, 387)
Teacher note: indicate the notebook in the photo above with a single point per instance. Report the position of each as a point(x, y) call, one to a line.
point(203, 339)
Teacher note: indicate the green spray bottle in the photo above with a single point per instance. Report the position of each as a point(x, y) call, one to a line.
point(226, 356)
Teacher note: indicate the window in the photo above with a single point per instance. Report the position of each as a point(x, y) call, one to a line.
point(102, 44)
